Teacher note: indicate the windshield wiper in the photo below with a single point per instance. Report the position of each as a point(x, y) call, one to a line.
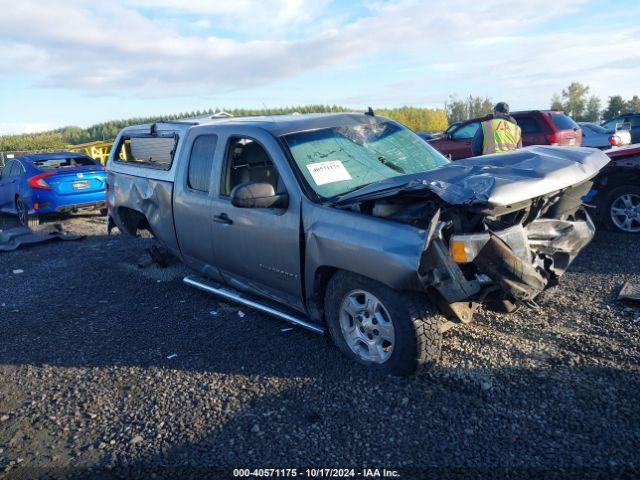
point(391, 165)
point(363, 191)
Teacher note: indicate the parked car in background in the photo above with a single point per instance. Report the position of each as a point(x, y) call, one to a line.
point(351, 224)
point(433, 134)
point(628, 121)
point(430, 135)
point(616, 191)
point(595, 136)
point(539, 127)
point(42, 183)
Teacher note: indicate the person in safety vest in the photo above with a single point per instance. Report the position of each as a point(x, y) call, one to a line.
point(499, 133)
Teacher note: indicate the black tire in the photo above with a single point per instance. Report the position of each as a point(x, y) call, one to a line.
point(607, 203)
point(418, 338)
point(25, 219)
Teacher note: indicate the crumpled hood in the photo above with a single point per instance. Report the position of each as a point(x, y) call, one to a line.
point(499, 179)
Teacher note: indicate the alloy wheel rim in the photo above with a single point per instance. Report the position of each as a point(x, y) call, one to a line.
point(625, 212)
point(367, 326)
point(22, 211)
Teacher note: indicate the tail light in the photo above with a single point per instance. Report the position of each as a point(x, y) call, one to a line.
point(552, 139)
point(615, 140)
point(38, 181)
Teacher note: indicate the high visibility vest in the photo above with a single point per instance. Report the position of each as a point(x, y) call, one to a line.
point(500, 135)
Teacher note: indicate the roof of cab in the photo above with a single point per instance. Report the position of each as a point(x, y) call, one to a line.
point(278, 125)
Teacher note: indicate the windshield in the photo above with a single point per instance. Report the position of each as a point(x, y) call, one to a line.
point(338, 160)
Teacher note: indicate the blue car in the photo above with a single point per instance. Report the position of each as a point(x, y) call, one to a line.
point(42, 183)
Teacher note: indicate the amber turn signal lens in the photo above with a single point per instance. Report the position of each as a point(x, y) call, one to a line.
point(458, 251)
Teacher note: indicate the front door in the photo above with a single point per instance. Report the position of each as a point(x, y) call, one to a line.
point(461, 139)
point(257, 249)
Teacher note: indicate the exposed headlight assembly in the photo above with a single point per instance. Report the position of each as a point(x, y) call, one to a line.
point(465, 248)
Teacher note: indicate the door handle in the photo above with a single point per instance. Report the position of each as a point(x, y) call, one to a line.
point(222, 218)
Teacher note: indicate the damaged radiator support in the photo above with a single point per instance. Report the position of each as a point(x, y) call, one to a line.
point(516, 277)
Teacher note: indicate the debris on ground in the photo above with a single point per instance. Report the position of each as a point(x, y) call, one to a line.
point(630, 291)
point(241, 314)
point(173, 355)
point(286, 329)
point(561, 383)
point(18, 271)
point(14, 238)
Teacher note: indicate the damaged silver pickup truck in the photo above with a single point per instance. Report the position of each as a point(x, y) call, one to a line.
point(352, 223)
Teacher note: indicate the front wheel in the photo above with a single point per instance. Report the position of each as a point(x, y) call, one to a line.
point(386, 330)
point(621, 210)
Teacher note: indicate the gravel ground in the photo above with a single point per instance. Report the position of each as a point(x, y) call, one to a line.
point(107, 369)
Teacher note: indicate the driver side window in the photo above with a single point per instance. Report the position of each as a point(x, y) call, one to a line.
point(466, 131)
point(247, 161)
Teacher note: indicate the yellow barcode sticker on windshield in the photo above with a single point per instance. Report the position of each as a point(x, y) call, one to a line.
point(328, 172)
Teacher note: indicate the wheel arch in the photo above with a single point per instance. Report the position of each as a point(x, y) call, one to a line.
point(320, 280)
point(620, 176)
point(129, 220)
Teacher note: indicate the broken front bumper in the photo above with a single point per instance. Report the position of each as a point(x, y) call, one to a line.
point(521, 261)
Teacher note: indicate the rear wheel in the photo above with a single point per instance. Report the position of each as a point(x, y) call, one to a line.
point(621, 209)
point(386, 330)
point(24, 218)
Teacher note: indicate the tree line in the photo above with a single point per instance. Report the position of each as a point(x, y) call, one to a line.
point(582, 107)
point(574, 100)
point(413, 117)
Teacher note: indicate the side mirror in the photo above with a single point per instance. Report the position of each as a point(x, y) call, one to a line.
point(257, 195)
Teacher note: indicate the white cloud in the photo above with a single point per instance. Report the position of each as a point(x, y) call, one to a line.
point(255, 17)
point(112, 47)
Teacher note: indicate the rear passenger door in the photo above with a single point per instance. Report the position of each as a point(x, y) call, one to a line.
point(192, 204)
point(258, 249)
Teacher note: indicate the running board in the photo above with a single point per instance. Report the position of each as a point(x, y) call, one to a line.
point(235, 297)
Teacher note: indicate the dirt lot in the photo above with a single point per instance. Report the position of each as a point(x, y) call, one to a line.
point(127, 371)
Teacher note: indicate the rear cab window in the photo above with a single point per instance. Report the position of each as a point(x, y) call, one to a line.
point(563, 122)
point(147, 150)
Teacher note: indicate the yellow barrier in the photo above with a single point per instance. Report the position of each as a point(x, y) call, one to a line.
point(98, 150)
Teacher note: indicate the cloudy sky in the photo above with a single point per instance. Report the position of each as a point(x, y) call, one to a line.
point(78, 62)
